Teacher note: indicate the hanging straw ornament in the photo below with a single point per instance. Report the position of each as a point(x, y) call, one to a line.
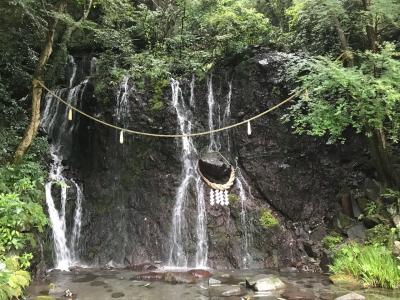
point(70, 114)
point(226, 197)
point(248, 128)
point(212, 200)
point(121, 137)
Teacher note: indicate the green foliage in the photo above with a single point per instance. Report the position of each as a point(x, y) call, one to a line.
point(381, 235)
point(21, 216)
point(336, 98)
point(267, 219)
point(233, 198)
point(374, 265)
point(332, 241)
point(153, 43)
point(371, 208)
point(13, 278)
point(18, 220)
point(315, 24)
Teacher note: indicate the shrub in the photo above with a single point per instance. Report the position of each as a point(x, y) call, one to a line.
point(332, 241)
point(267, 219)
point(373, 265)
point(380, 235)
point(13, 279)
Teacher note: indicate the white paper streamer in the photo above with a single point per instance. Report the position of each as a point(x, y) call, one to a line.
point(248, 128)
point(121, 137)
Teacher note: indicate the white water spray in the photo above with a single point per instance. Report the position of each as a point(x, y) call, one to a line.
point(58, 187)
point(123, 109)
point(179, 234)
point(244, 196)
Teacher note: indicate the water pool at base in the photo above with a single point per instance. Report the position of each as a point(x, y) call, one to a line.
point(97, 284)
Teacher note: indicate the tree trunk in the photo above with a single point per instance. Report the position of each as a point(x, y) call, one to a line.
point(372, 34)
point(382, 159)
point(37, 90)
point(344, 45)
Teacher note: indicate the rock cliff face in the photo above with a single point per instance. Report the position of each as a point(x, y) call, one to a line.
point(130, 189)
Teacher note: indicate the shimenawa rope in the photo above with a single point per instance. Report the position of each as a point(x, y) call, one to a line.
point(167, 135)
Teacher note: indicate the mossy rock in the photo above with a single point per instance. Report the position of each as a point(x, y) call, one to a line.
point(343, 279)
point(343, 221)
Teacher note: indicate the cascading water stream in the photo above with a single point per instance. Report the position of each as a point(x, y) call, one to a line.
point(213, 145)
point(122, 111)
point(241, 183)
point(179, 234)
point(59, 130)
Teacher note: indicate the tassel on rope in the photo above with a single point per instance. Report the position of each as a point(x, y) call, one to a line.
point(121, 137)
point(248, 128)
point(70, 114)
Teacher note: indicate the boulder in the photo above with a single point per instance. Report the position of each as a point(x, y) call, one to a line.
point(213, 165)
point(198, 273)
point(396, 221)
point(179, 277)
point(351, 296)
point(213, 281)
point(150, 276)
point(263, 282)
point(143, 267)
point(357, 232)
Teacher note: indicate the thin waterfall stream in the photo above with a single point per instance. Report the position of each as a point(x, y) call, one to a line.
point(61, 189)
point(189, 178)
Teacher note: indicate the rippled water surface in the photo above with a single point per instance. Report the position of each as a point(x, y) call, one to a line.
point(90, 284)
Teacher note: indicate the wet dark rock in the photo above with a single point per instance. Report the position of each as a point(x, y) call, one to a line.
point(98, 283)
point(143, 267)
point(129, 189)
point(150, 276)
point(213, 165)
point(179, 277)
point(371, 221)
point(351, 296)
point(198, 273)
point(357, 232)
point(117, 295)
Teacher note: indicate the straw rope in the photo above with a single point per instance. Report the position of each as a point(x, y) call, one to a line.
point(220, 186)
point(125, 130)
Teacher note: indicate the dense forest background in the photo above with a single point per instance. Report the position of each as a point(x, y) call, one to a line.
point(347, 80)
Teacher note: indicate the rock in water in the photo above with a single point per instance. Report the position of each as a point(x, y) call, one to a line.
point(179, 277)
point(143, 267)
point(150, 276)
point(263, 282)
point(199, 273)
point(213, 165)
point(351, 296)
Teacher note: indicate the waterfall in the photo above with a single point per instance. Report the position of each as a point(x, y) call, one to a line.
point(201, 226)
point(122, 111)
point(241, 183)
point(72, 64)
point(58, 187)
point(189, 178)
point(227, 114)
point(57, 218)
point(93, 66)
point(213, 146)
